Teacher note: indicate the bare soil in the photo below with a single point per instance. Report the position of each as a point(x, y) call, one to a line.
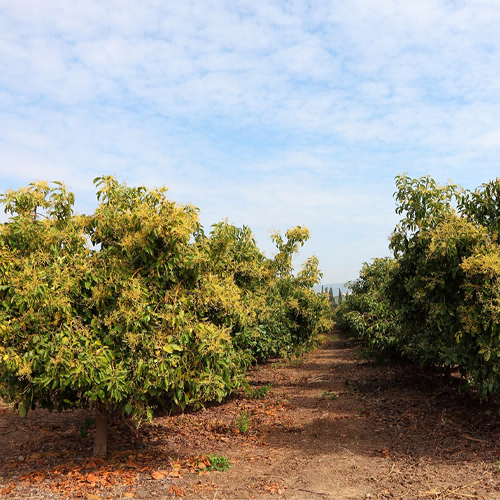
point(333, 425)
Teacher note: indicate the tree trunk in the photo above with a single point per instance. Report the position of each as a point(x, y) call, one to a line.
point(101, 431)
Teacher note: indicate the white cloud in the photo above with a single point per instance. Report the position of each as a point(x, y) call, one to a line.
point(268, 113)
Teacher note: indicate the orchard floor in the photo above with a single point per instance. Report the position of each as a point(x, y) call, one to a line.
point(334, 425)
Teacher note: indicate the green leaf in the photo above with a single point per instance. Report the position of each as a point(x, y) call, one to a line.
point(22, 409)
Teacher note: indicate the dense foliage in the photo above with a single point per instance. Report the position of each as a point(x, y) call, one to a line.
point(134, 307)
point(367, 313)
point(438, 301)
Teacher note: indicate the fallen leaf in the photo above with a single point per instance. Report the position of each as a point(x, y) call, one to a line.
point(7, 489)
point(157, 475)
point(275, 488)
point(129, 495)
point(178, 492)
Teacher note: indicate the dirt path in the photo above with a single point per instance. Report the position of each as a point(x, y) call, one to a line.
point(333, 425)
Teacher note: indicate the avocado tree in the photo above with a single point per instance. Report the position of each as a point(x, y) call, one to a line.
point(438, 301)
point(367, 313)
point(445, 283)
point(116, 327)
point(134, 307)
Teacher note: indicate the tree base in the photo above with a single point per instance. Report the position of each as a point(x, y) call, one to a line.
point(101, 432)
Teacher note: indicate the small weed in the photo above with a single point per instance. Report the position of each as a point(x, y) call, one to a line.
point(329, 395)
point(277, 364)
point(360, 412)
point(296, 362)
point(351, 388)
point(498, 466)
point(243, 422)
point(259, 392)
point(219, 462)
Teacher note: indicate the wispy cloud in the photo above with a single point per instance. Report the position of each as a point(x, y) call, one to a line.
point(269, 113)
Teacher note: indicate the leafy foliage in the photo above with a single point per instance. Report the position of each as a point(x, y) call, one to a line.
point(134, 307)
point(259, 392)
point(219, 463)
point(243, 422)
point(367, 313)
point(440, 297)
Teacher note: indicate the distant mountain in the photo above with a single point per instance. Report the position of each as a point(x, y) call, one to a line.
point(334, 286)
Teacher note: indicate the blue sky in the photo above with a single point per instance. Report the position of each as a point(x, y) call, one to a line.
point(270, 114)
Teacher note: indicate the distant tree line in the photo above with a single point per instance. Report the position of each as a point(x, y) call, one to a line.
point(335, 301)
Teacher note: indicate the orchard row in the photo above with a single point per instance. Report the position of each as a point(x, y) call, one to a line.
point(135, 307)
point(437, 301)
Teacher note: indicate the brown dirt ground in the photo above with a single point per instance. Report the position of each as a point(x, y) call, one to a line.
point(334, 425)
